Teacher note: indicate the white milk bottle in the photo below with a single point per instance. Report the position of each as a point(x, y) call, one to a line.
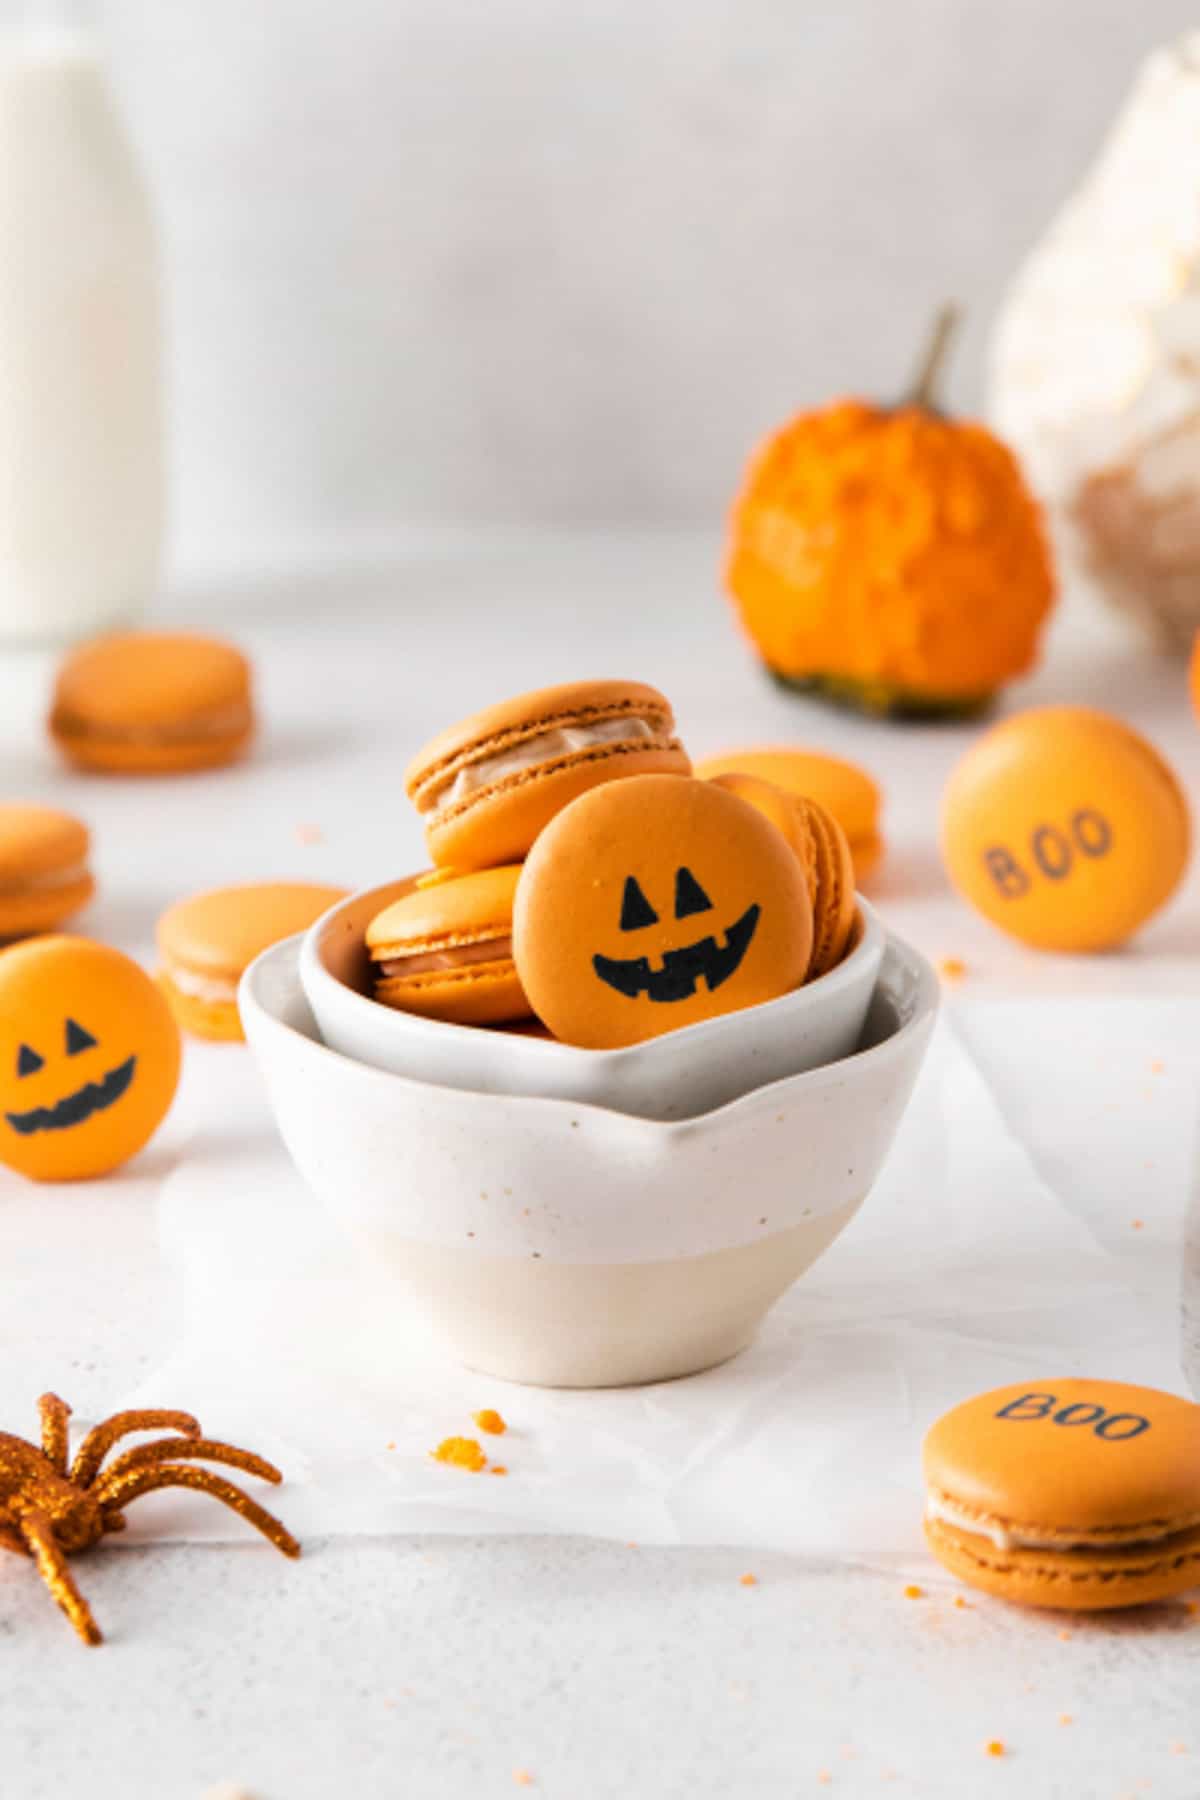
point(81, 479)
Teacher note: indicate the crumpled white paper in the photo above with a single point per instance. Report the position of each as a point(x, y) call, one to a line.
point(1027, 1225)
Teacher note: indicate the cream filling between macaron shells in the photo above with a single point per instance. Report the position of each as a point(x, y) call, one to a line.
point(46, 882)
point(217, 723)
point(394, 960)
point(940, 1507)
point(212, 990)
point(563, 742)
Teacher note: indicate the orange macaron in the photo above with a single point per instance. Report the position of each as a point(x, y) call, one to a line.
point(654, 903)
point(1066, 828)
point(820, 845)
point(44, 874)
point(1067, 1493)
point(487, 786)
point(845, 791)
point(89, 1058)
point(207, 942)
point(445, 950)
point(152, 703)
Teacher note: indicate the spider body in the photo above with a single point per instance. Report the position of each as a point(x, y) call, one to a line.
point(51, 1508)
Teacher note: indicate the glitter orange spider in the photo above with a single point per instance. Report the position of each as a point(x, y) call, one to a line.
point(49, 1509)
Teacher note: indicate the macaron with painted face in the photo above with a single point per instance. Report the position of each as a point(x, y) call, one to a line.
point(152, 703)
point(1066, 828)
point(654, 903)
point(89, 1058)
point(445, 950)
point(1067, 1493)
point(44, 873)
point(844, 790)
point(487, 786)
point(819, 843)
point(207, 942)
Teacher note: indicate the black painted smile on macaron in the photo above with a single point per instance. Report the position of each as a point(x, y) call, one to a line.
point(73, 1109)
point(679, 970)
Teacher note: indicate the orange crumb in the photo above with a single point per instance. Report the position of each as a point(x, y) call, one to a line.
point(996, 1748)
point(913, 1592)
point(1065, 1719)
point(522, 1778)
point(748, 1580)
point(1178, 1749)
point(1156, 1068)
point(460, 1453)
point(487, 1420)
point(952, 968)
point(963, 1605)
point(1065, 1635)
point(309, 834)
point(1138, 1224)
point(391, 1445)
point(499, 1469)
point(824, 1777)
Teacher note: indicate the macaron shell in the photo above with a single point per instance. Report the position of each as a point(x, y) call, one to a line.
point(833, 903)
point(841, 787)
point(1006, 1455)
point(867, 853)
point(43, 909)
point(137, 680)
point(638, 894)
point(89, 1058)
point(461, 909)
point(1080, 1581)
point(481, 994)
point(102, 756)
point(219, 1021)
point(1066, 829)
point(501, 824)
point(220, 932)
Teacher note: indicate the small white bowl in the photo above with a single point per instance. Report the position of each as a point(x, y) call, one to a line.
point(565, 1245)
point(674, 1076)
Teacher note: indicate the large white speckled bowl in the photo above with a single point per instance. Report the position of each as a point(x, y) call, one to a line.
point(553, 1242)
point(674, 1076)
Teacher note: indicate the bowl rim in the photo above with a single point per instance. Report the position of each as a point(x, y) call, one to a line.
point(872, 942)
point(896, 951)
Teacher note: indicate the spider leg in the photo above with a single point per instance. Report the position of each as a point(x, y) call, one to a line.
point(206, 1449)
point(38, 1533)
point(161, 1475)
point(100, 1440)
point(54, 1414)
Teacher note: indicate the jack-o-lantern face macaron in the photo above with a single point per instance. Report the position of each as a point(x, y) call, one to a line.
point(1065, 828)
point(89, 1058)
point(486, 787)
point(653, 903)
point(1075, 1494)
point(445, 950)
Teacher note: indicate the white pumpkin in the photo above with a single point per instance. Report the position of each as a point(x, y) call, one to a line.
point(1095, 360)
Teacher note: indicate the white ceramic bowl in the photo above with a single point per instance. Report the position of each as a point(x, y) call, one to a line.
point(674, 1076)
point(562, 1244)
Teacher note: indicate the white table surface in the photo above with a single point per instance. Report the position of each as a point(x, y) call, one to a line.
point(445, 1667)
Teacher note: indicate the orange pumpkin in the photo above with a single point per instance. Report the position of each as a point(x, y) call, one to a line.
point(891, 557)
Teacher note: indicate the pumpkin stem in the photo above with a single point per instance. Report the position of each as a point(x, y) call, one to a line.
point(929, 368)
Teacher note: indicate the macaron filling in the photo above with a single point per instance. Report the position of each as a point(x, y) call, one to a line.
point(547, 747)
point(211, 990)
point(215, 724)
point(395, 961)
point(1006, 1536)
point(44, 882)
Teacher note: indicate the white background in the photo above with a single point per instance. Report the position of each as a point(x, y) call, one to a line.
point(563, 260)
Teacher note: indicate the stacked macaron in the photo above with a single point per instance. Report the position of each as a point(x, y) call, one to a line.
point(583, 875)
